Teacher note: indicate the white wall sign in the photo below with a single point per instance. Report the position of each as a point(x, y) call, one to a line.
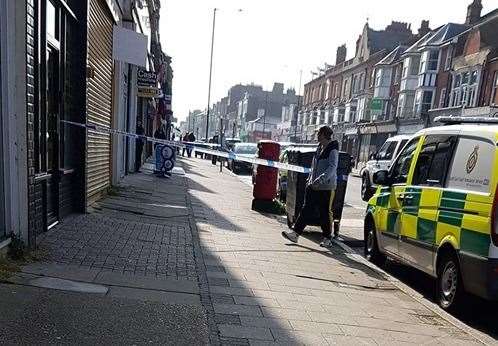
point(129, 46)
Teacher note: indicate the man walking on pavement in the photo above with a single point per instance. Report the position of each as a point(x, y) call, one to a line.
point(320, 189)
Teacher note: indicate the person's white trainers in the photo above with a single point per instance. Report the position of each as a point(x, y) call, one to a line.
point(326, 242)
point(290, 235)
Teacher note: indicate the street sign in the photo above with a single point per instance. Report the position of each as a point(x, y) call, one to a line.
point(376, 105)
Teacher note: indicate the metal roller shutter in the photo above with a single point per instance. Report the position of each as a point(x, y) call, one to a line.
point(99, 99)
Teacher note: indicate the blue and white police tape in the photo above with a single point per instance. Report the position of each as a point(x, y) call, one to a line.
point(197, 147)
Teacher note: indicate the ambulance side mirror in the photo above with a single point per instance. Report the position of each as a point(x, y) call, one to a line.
point(381, 178)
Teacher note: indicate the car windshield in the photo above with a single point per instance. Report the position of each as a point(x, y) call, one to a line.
point(245, 149)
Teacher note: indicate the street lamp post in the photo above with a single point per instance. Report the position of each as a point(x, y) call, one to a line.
point(211, 70)
point(210, 73)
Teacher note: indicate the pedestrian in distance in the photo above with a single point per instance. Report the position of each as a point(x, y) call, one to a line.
point(184, 139)
point(139, 146)
point(320, 189)
point(191, 138)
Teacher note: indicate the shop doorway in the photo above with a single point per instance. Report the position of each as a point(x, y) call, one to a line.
point(51, 136)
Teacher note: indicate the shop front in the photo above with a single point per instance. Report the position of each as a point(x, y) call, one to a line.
point(350, 141)
point(55, 69)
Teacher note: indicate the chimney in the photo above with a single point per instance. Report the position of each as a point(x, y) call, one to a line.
point(278, 88)
point(474, 12)
point(424, 28)
point(342, 51)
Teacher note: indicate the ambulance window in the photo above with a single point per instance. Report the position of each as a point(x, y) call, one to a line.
point(472, 165)
point(433, 160)
point(401, 168)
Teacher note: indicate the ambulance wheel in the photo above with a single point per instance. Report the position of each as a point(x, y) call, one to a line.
point(371, 250)
point(449, 282)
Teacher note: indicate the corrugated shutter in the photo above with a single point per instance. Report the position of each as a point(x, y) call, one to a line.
point(99, 99)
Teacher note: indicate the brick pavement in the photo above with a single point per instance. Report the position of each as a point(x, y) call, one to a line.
point(141, 229)
point(265, 291)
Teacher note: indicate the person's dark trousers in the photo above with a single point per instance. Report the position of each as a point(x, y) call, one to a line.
point(189, 152)
point(315, 200)
point(183, 151)
point(138, 157)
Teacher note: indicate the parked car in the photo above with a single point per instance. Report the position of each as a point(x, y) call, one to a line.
point(380, 160)
point(436, 209)
point(230, 142)
point(243, 149)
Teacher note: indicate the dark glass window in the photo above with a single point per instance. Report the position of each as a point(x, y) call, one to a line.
point(401, 167)
point(433, 160)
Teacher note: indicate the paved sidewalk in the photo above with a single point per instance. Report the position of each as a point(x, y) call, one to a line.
point(265, 290)
point(124, 274)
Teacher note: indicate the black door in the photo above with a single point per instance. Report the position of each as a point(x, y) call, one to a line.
point(52, 136)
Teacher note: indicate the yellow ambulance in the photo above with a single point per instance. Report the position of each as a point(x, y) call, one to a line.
point(436, 209)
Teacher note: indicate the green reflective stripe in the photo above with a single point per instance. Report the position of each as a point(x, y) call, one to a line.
point(383, 200)
point(474, 242)
point(453, 200)
point(450, 218)
point(392, 217)
point(426, 230)
point(411, 206)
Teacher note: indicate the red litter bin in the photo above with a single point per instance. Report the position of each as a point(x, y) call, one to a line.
point(265, 180)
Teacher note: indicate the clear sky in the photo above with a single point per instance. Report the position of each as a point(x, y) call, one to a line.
point(272, 40)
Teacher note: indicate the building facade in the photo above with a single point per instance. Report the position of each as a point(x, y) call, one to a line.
point(60, 61)
point(398, 84)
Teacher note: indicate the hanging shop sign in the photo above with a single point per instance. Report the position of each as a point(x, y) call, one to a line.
point(149, 92)
point(146, 78)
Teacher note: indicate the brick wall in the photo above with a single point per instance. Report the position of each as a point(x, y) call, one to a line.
point(35, 210)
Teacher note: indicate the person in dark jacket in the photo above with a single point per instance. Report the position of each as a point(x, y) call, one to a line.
point(320, 189)
point(159, 133)
point(191, 138)
point(139, 146)
point(184, 139)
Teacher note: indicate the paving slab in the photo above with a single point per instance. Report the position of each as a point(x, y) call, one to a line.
point(150, 283)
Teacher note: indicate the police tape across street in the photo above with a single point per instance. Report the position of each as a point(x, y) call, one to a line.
point(195, 147)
